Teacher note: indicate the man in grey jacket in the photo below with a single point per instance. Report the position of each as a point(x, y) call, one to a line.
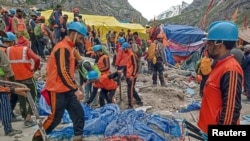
point(158, 64)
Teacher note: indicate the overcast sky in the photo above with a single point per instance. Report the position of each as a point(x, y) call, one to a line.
point(151, 8)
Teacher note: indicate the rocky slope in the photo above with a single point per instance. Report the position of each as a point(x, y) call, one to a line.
point(120, 9)
point(172, 11)
point(221, 10)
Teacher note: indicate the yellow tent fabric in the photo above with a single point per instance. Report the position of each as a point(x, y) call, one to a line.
point(103, 23)
point(136, 27)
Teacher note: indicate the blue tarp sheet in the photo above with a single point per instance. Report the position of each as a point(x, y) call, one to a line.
point(110, 121)
point(183, 34)
point(196, 105)
point(169, 56)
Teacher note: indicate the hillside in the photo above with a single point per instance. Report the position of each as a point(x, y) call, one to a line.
point(120, 9)
point(221, 10)
point(172, 11)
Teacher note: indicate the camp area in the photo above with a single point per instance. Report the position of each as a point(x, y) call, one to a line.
point(66, 75)
point(104, 23)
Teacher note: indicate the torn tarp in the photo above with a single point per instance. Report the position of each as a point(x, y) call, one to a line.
point(110, 121)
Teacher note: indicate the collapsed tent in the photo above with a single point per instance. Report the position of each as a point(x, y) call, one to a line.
point(110, 121)
point(103, 23)
point(183, 40)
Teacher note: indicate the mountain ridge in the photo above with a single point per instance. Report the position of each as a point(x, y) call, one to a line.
point(120, 9)
point(221, 10)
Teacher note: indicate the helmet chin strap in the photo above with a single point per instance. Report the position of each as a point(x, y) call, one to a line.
point(74, 39)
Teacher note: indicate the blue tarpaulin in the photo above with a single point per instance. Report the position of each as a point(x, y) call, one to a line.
point(183, 34)
point(110, 121)
point(196, 105)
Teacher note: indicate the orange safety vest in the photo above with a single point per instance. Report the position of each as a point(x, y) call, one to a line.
point(101, 65)
point(21, 27)
point(88, 44)
point(121, 58)
point(130, 65)
point(211, 105)
point(105, 83)
point(20, 62)
point(53, 81)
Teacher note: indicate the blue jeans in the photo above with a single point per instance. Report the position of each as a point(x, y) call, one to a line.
point(5, 112)
point(57, 34)
point(88, 93)
point(247, 83)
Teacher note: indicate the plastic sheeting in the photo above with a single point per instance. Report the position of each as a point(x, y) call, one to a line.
point(169, 56)
point(110, 121)
point(196, 105)
point(190, 64)
point(184, 34)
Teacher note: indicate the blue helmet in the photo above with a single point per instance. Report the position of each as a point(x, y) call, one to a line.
point(125, 45)
point(223, 31)
point(91, 75)
point(78, 27)
point(97, 48)
point(10, 37)
point(121, 40)
point(12, 11)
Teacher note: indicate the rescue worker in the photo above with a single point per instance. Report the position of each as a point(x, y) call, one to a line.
point(221, 102)
point(61, 85)
point(103, 62)
point(106, 83)
point(159, 60)
point(19, 25)
point(84, 67)
point(121, 61)
point(88, 46)
point(20, 59)
point(246, 68)
point(58, 19)
point(5, 108)
point(131, 75)
point(103, 65)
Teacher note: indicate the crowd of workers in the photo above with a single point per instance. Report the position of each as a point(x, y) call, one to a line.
point(72, 42)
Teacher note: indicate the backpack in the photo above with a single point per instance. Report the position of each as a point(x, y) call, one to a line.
point(205, 65)
point(137, 50)
point(38, 30)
